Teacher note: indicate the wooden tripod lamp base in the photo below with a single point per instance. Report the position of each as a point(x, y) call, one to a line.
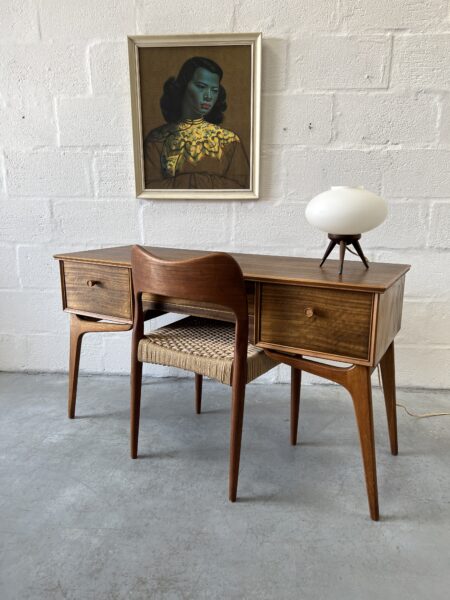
point(352, 211)
point(343, 241)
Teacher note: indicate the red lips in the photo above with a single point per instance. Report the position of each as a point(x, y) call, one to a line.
point(204, 105)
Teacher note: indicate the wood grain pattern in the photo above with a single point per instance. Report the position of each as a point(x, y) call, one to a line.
point(389, 319)
point(199, 309)
point(198, 392)
point(258, 267)
point(298, 309)
point(387, 365)
point(296, 382)
point(79, 326)
point(109, 297)
point(213, 278)
point(340, 323)
point(356, 379)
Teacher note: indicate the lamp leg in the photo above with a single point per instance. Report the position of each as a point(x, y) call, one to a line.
point(342, 248)
point(331, 245)
point(357, 247)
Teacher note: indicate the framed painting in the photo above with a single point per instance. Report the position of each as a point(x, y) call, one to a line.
point(196, 115)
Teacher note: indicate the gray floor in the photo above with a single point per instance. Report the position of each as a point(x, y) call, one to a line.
point(80, 520)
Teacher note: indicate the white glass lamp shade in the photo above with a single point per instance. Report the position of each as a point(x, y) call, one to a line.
point(345, 210)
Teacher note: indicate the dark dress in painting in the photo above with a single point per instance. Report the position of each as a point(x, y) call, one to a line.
point(195, 154)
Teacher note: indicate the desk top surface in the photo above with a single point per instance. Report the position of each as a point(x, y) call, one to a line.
point(267, 268)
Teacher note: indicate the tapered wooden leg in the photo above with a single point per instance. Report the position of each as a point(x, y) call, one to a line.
point(360, 388)
point(356, 379)
point(78, 327)
point(237, 418)
point(76, 336)
point(296, 378)
point(342, 249)
point(387, 365)
point(135, 406)
point(357, 247)
point(330, 247)
point(198, 393)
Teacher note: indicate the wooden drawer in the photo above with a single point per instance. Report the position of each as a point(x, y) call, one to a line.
point(98, 290)
point(340, 325)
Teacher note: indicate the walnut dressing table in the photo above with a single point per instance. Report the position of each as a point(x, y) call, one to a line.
point(296, 309)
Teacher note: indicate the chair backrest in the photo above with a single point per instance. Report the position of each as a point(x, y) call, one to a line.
point(214, 278)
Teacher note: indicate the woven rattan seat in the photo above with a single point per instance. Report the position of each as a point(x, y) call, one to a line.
point(203, 346)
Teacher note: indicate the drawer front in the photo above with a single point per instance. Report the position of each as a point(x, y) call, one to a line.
point(319, 320)
point(98, 289)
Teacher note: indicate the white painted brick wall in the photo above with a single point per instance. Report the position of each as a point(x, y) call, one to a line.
point(429, 277)
point(31, 311)
point(330, 62)
point(421, 61)
point(287, 17)
point(274, 61)
point(439, 230)
point(25, 220)
point(354, 92)
point(385, 118)
point(108, 63)
point(422, 325)
point(27, 124)
point(35, 72)
point(418, 173)
point(273, 174)
point(183, 17)
point(114, 222)
point(104, 19)
point(9, 277)
point(197, 224)
point(114, 174)
point(292, 119)
point(272, 219)
point(311, 170)
point(405, 227)
point(48, 172)
point(95, 121)
point(364, 15)
point(19, 21)
point(445, 121)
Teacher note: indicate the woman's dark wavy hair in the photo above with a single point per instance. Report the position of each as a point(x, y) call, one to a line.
point(174, 89)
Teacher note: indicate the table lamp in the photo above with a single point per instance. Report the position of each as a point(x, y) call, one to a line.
point(345, 213)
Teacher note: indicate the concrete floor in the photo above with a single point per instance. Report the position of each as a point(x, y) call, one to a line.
point(80, 520)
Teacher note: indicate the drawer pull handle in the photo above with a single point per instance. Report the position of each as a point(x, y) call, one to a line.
point(92, 283)
point(309, 312)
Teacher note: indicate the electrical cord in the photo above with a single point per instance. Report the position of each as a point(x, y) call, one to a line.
point(355, 253)
point(412, 414)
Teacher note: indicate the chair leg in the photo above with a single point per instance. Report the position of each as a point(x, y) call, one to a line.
point(237, 418)
point(296, 379)
point(135, 405)
point(198, 393)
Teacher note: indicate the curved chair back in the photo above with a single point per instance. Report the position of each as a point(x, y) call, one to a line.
point(214, 278)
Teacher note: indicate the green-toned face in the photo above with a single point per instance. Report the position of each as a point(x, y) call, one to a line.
point(201, 94)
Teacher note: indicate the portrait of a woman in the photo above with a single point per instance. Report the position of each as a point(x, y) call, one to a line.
point(192, 149)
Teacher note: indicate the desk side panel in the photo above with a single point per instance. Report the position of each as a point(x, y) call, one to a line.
point(389, 319)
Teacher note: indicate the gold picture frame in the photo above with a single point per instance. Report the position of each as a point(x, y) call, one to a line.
point(195, 103)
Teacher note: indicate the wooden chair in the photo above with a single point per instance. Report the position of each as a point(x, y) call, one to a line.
point(213, 348)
